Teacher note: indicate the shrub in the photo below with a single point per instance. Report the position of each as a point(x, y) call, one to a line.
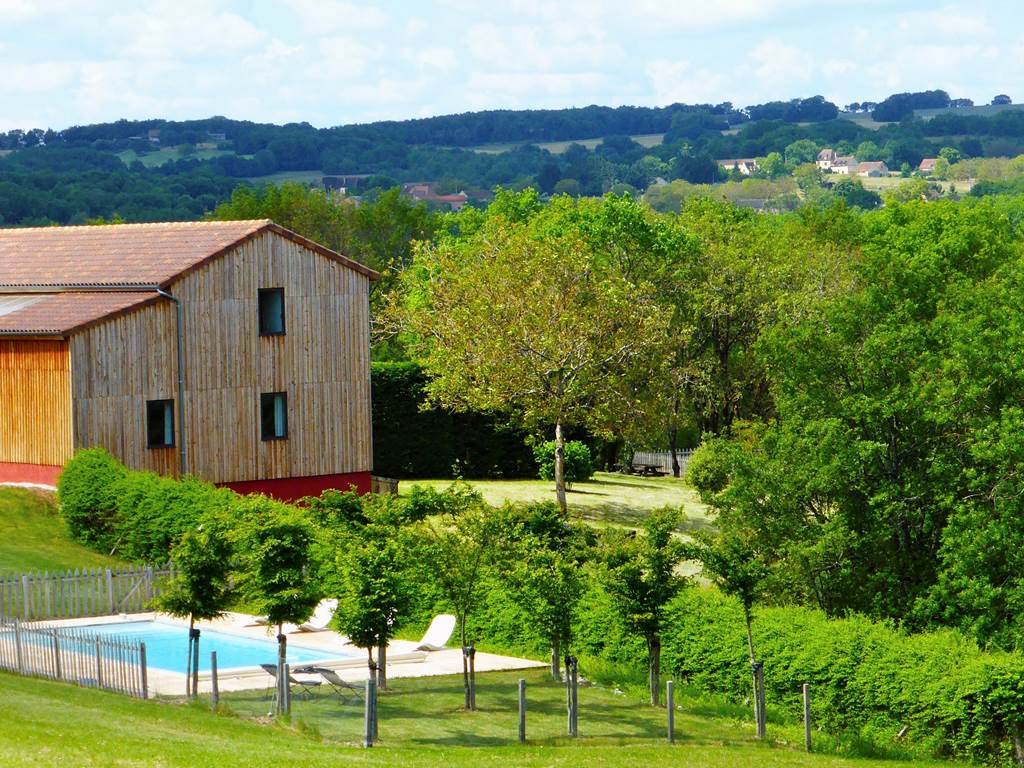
point(579, 465)
point(865, 676)
point(88, 497)
point(708, 468)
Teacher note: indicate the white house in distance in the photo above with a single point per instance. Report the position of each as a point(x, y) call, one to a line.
point(745, 165)
point(873, 168)
point(826, 159)
point(842, 164)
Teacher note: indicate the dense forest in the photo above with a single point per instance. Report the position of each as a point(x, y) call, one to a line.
point(159, 169)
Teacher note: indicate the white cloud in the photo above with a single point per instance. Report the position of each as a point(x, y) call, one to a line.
point(333, 16)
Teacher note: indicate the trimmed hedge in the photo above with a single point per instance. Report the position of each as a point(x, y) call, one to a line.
point(867, 677)
point(579, 466)
point(87, 489)
point(410, 442)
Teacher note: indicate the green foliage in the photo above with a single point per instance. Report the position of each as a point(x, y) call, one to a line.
point(579, 465)
point(154, 512)
point(708, 468)
point(865, 677)
point(201, 588)
point(273, 544)
point(412, 440)
point(87, 490)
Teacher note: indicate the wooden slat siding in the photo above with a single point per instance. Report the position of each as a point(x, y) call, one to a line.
point(117, 366)
point(35, 402)
point(322, 363)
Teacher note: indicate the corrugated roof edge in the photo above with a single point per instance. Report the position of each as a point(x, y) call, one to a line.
point(64, 332)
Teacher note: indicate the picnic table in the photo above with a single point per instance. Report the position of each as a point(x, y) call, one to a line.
point(644, 470)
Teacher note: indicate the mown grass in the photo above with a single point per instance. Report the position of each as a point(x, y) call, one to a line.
point(44, 723)
point(166, 154)
point(559, 147)
point(609, 499)
point(35, 538)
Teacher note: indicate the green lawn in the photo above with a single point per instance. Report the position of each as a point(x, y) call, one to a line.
point(166, 154)
point(610, 498)
point(34, 537)
point(44, 723)
point(559, 147)
point(299, 177)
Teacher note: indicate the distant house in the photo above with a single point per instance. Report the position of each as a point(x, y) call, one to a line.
point(927, 165)
point(423, 191)
point(873, 168)
point(842, 164)
point(153, 134)
point(826, 159)
point(745, 165)
point(235, 351)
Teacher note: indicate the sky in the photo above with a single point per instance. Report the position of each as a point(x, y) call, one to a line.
point(333, 62)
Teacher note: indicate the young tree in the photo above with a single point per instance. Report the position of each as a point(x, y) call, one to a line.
point(457, 544)
point(639, 572)
point(539, 557)
point(200, 589)
point(275, 572)
point(731, 561)
point(517, 313)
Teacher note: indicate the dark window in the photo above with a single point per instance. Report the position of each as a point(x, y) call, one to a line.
point(274, 416)
point(159, 423)
point(271, 311)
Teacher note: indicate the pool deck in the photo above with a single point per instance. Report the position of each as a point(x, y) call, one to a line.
point(351, 665)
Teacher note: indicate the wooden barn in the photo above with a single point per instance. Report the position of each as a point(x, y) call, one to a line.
point(234, 351)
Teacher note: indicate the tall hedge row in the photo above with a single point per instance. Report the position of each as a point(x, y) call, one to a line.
point(954, 698)
point(409, 441)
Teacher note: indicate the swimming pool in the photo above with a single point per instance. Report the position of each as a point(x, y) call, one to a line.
point(167, 646)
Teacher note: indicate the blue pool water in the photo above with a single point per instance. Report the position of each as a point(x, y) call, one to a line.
point(167, 647)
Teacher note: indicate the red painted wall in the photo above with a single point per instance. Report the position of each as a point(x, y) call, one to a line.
point(294, 488)
point(43, 474)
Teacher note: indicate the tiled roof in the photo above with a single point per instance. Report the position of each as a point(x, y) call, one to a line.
point(50, 314)
point(127, 254)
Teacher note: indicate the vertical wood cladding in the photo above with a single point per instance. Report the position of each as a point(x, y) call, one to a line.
point(35, 402)
point(322, 362)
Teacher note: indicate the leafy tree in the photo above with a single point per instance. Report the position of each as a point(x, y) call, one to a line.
point(639, 573)
point(372, 578)
point(852, 192)
point(539, 557)
point(772, 165)
point(274, 569)
point(801, 151)
point(520, 315)
point(868, 150)
point(201, 587)
point(458, 544)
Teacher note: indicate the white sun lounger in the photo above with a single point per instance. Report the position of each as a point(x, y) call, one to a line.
point(319, 621)
point(438, 633)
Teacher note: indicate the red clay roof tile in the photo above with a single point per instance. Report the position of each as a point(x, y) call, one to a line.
point(46, 314)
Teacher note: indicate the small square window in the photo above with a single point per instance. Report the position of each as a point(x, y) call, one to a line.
point(271, 311)
point(274, 416)
point(160, 423)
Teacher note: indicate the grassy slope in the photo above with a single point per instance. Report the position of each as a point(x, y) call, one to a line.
point(166, 154)
point(44, 723)
point(558, 147)
point(610, 498)
point(34, 537)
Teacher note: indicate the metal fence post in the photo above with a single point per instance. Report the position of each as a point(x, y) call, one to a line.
point(287, 690)
point(522, 711)
point(368, 705)
point(807, 717)
point(670, 704)
point(214, 687)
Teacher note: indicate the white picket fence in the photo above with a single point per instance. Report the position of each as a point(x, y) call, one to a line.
point(78, 593)
point(74, 655)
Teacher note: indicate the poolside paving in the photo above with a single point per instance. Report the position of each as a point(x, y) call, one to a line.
point(351, 663)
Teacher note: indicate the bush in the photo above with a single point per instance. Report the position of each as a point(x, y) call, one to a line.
point(708, 468)
point(866, 677)
point(412, 441)
point(88, 497)
point(579, 465)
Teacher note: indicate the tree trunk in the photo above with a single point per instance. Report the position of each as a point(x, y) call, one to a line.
point(382, 666)
point(560, 468)
point(758, 715)
point(556, 673)
point(195, 664)
point(369, 663)
point(654, 667)
point(673, 440)
point(188, 660)
point(282, 659)
point(465, 660)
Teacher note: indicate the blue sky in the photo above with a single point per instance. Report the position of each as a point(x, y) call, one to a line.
point(330, 62)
